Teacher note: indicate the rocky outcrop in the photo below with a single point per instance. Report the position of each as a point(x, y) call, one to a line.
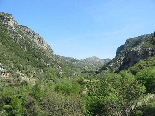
point(131, 43)
point(131, 52)
point(2, 68)
point(7, 19)
point(34, 37)
point(135, 55)
point(21, 32)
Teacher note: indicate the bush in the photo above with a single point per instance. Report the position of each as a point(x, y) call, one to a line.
point(147, 78)
point(114, 94)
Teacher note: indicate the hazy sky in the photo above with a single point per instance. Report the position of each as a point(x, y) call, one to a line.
point(84, 28)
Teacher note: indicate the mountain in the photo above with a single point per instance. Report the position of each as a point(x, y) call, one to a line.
point(131, 52)
point(89, 64)
point(19, 32)
point(96, 61)
point(24, 51)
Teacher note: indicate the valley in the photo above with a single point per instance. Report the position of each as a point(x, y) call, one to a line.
point(36, 82)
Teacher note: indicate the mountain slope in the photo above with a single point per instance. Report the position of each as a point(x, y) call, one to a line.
point(89, 64)
point(24, 51)
point(131, 52)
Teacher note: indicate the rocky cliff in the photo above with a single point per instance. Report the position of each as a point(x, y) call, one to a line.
point(23, 50)
point(132, 51)
point(19, 32)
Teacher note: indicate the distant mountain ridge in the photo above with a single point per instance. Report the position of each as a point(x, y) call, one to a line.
point(91, 63)
point(95, 61)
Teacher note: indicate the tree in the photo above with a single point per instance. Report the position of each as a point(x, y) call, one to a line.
point(16, 107)
point(146, 77)
point(114, 94)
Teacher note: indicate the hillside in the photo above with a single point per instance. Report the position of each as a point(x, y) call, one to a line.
point(24, 51)
point(36, 82)
point(88, 64)
point(134, 60)
point(131, 52)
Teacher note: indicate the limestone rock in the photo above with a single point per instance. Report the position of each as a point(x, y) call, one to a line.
point(21, 32)
point(131, 52)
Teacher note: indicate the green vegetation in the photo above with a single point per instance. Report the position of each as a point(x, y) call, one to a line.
point(114, 94)
point(121, 94)
point(35, 82)
point(22, 98)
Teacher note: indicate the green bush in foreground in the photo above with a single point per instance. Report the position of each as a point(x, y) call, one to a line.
point(114, 94)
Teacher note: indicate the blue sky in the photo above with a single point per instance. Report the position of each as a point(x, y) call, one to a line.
point(84, 28)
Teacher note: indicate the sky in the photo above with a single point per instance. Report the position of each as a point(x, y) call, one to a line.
point(84, 28)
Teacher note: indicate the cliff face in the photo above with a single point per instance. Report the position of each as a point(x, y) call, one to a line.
point(20, 32)
point(131, 52)
point(131, 43)
point(7, 19)
point(23, 50)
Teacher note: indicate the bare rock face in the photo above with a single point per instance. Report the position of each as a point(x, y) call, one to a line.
point(135, 55)
point(7, 19)
point(131, 52)
point(22, 32)
point(2, 68)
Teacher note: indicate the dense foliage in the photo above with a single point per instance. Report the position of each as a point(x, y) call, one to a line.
point(21, 98)
point(120, 94)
